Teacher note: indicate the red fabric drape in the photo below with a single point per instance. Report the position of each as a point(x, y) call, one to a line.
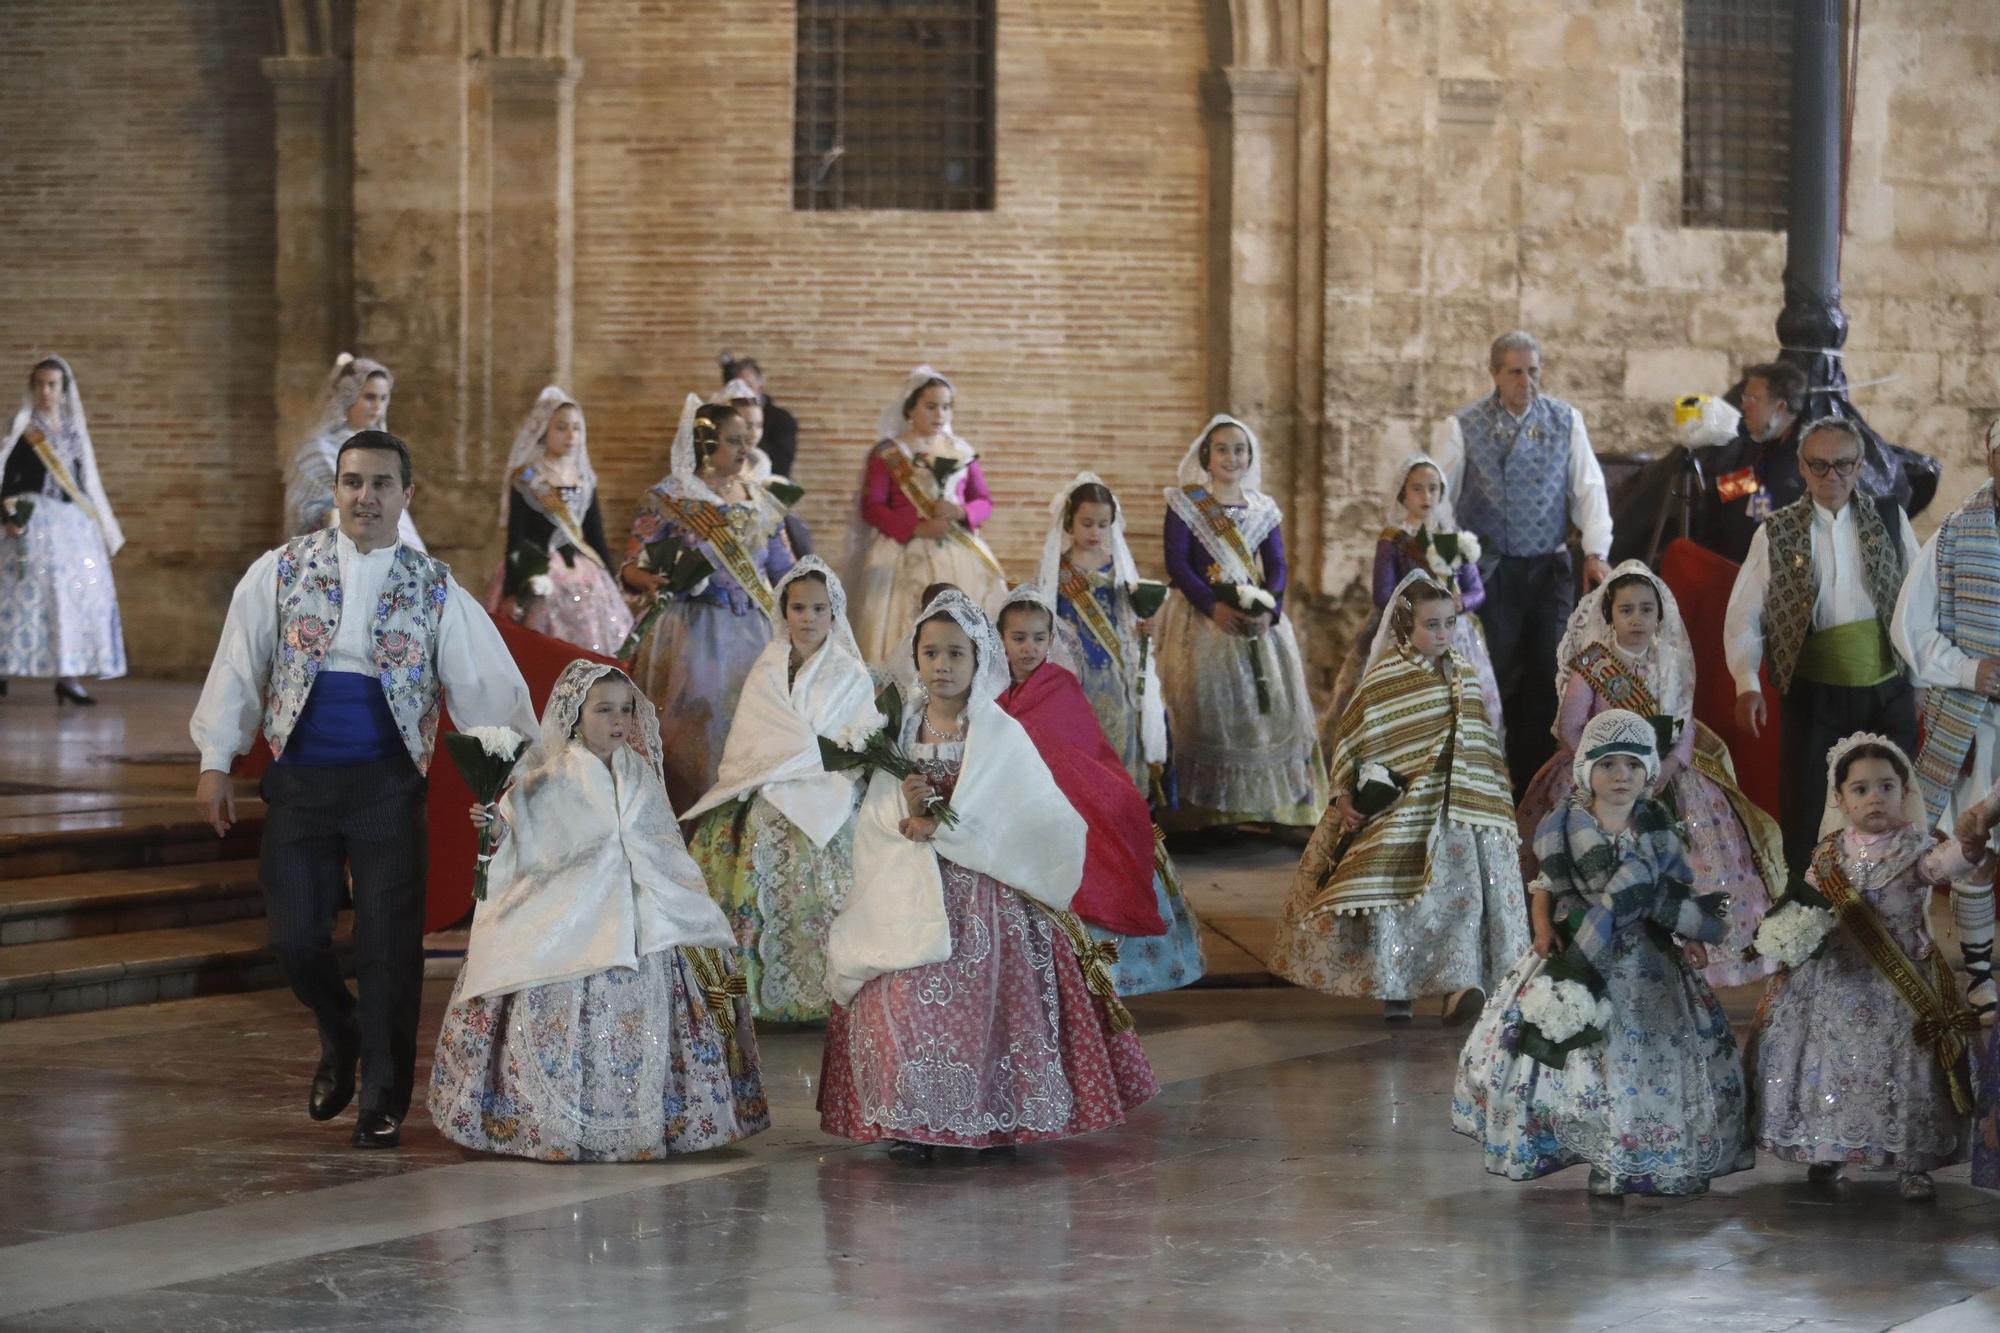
point(1701, 581)
point(1117, 892)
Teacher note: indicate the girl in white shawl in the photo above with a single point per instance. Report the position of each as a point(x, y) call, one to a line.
point(1244, 748)
point(356, 398)
point(548, 505)
point(776, 832)
point(971, 1008)
point(58, 608)
point(598, 1016)
point(923, 501)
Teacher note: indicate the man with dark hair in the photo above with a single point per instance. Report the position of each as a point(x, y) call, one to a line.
point(781, 428)
point(1814, 601)
point(340, 646)
point(1745, 481)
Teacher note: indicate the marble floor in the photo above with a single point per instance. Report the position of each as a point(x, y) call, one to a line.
point(1296, 1172)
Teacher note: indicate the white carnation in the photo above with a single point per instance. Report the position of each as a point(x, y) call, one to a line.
point(500, 742)
point(1376, 773)
point(1561, 1009)
point(1249, 596)
point(1793, 932)
point(541, 585)
point(1468, 547)
point(855, 734)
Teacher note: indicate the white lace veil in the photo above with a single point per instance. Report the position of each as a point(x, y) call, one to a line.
point(841, 636)
point(890, 422)
point(1385, 641)
point(70, 438)
point(1064, 649)
point(1442, 517)
point(305, 474)
point(528, 445)
point(1192, 473)
point(1056, 542)
point(736, 391)
point(565, 706)
point(989, 676)
point(1668, 664)
point(1835, 818)
point(1615, 731)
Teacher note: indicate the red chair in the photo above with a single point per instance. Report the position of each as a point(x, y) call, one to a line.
point(1701, 581)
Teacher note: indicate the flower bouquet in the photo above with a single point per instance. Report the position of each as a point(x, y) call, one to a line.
point(485, 757)
point(682, 569)
point(1798, 927)
point(1666, 730)
point(1561, 1010)
point(526, 578)
point(942, 466)
point(785, 491)
point(17, 510)
point(1252, 600)
point(871, 744)
point(1446, 551)
point(1376, 787)
point(1147, 599)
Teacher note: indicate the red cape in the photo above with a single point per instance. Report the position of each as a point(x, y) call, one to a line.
point(1701, 581)
point(1117, 891)
point(452, 844)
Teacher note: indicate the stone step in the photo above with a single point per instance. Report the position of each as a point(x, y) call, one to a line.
point(109, 971)
point(128, 838)
point(105, 902)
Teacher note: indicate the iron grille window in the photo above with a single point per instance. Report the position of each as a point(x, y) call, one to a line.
point(1736, 113)
point(895, 105)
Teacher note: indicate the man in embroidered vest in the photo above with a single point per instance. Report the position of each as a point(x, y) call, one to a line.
point(1813, 599)
point(1947, 627)
point(349, 703)
point(1756, 474)
point(1520, 470)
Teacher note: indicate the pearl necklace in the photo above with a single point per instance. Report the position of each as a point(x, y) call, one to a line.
point(939, 735)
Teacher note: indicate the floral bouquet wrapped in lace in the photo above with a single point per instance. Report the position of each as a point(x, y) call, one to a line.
point(1252, 600)
point(1561, 1010)
point(870, 744)
point(1798, 927)
point(485, 757)
point(1446, 551)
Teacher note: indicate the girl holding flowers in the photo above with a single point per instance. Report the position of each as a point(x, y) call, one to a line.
point(1087, 568)
point(970, 1009)
point(1627, 647)
point(705, 546)
point(598, 1017)
point(1650, 1092)
point(1411, 884)
point(1861, 1052)
point(1244, 749)
point(776, 832)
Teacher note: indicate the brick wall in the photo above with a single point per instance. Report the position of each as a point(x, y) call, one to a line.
point(135, 217)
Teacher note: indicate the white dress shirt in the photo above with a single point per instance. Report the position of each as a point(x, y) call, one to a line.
point(1589, 503)
point(481, 684)
point(1941, 664)
point(1842, 586)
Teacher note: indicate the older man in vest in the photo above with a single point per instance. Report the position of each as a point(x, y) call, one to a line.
point(1814, 599)
point(1947, 627)
point(1520, 471)
point(349, 704)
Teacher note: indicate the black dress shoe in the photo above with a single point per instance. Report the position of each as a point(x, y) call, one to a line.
point(378, 1129)
point(332, 1087)
point(73, 694)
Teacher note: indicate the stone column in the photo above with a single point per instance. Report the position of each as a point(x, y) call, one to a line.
point(532, 247)
point(314, 218)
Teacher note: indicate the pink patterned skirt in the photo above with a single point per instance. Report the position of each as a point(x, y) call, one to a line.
point(1001, 1043)
point(584, 607)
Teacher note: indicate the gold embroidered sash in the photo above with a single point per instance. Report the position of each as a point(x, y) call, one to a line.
point(709, 525)
point(556, 509)
point(1096, 957)
point(1614, 684)
point(60, 471)
point(1943, 1021)
point(719, 989)
point(1076, 587)
point(1224, 527)
point(904, 473)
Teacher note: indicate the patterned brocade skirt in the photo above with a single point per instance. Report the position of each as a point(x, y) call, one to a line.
point(1000, 1043)
point(585, 608)
point(626, 1065)
point(58, 608)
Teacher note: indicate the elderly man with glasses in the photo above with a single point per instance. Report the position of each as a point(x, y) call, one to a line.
point(1814, 598)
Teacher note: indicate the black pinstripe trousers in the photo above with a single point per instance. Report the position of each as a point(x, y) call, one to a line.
point(369, 820)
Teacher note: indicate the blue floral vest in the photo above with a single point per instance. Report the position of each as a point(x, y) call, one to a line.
point(1516, 489)
point(405, 634)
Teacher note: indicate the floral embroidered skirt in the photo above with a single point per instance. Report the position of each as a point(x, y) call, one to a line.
point(584, 608)
point(781, 895)
point(625, 1065)
point(1658, 1106)
point(58, 608)
point(1000, 1043)
point(1470, 923)
point(1840, 1079)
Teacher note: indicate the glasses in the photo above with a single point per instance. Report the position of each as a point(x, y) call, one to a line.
point(1839, 467)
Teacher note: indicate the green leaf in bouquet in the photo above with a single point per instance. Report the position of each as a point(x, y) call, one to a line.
point(1374, 796)
point(680, 566)
point(20, 509)
point(942, 467)
point(524, 563)
point(1666, 730)
point(786, 493)
point(1445, 544)
point(889, 703)
point(1147, 598)
point(837, 759)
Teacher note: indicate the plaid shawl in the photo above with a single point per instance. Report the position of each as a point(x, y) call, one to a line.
point(1649, 882)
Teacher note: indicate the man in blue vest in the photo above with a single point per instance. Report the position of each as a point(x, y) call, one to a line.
point(1520, 470)
point(340, 646)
